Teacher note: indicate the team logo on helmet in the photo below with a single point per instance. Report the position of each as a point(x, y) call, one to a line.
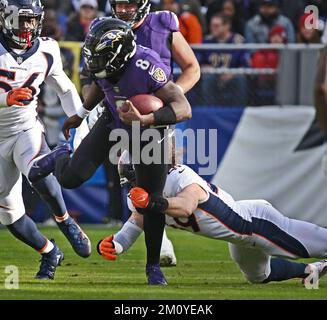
point(109, 39)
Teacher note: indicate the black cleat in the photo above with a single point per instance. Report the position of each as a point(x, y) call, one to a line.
point(49, 263)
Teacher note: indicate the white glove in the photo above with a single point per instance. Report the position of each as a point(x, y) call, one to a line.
point(80, 133)
point(324, 163)
point(94, 115)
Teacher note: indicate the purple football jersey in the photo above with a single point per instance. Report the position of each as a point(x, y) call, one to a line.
point(156, 33)
point(144, 73)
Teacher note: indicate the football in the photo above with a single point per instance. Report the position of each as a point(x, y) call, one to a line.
point(146, 103)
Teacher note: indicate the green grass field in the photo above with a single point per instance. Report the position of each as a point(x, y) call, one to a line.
point(204, 271)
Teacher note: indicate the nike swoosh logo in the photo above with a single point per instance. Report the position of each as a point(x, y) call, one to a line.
point(169, 136)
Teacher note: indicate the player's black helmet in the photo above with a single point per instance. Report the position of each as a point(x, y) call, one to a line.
point(143, 9)
point(14, 13)
point(109, 45)
point(126, 170)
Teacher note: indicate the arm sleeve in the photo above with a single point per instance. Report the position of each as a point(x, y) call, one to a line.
point(64, 87)
point(158, 74)
point(174, 23)
point(181, 177)
point(169, 20)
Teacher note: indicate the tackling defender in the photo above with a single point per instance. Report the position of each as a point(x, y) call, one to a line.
point(158, 31)
point(26, 61)
point(122, 70)
point(256, 231)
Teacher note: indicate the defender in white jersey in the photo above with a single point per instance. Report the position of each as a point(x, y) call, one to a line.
point(255, 230)
point(26, 61)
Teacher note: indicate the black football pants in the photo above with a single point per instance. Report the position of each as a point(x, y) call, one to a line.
point(92, 152)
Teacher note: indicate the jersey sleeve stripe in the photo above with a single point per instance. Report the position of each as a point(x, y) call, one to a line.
point(50, 60)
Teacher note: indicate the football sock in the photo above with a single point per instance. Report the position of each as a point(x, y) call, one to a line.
point(47, 248)
point(26, 231)
point(126, 236)
point(62, 218)
point(282, 269)
point(50, 191)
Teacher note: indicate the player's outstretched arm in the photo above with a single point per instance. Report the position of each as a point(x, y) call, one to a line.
point(120, 242)
point(84, 110)
point(181, 206)
point(184, 56)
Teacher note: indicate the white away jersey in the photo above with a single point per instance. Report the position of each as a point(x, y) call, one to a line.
point(30, 69)
point(219, 216)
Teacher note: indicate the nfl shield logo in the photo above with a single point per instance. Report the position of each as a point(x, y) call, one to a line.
point(19, 60)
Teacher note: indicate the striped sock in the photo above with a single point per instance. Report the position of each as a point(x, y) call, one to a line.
point(63, 218)
point(47, 248)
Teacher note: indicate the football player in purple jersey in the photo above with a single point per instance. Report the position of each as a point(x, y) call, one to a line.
point(158, 31)
point(121, 69)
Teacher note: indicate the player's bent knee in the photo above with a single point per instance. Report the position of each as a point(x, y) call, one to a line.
point(70, 181)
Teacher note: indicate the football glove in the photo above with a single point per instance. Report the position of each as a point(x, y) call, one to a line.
point(106, 248)
point(15, 96)
point(81, 132)
point(94, 115)
point(142, 200)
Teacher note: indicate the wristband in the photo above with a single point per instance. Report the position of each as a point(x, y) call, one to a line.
point(98, 247)
point(165, 116)
point(82, 112)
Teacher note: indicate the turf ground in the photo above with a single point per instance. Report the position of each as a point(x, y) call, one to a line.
point(204, 271)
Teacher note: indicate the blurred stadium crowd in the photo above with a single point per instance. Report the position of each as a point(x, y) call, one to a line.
point(208, 21)
point(223, 22)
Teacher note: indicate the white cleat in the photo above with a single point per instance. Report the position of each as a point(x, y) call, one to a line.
point(167, 254)
point(316, 270)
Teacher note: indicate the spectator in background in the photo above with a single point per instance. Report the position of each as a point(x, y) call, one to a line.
point(224, 89)
point(270, 58)
point(292, 10)
point(307, 35)
point(79, 22)
point(50, 27)
point(190, 18)
point(244, 9)
point(229, 10)
point(221, 32)
point(232, 9)
point(257, 29)
point(264, 86)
